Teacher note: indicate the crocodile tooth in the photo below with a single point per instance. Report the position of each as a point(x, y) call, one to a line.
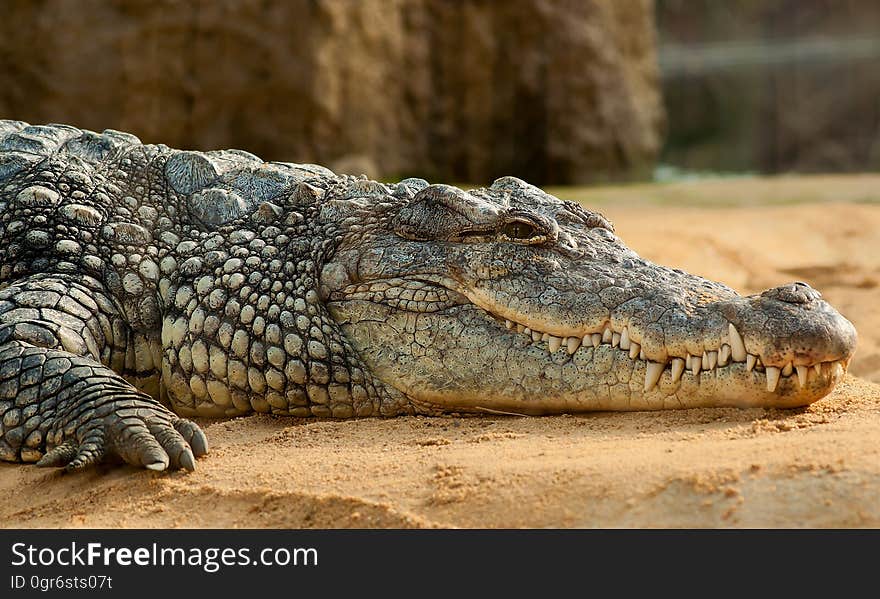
point(724, 355)
point(653, 370)
point(802, 375)
point(787, 369)
point(508, 324)
point(634, 349)
point(750, 362)
point(837, 369)
point(772, 378)
point(642, 354)
point(520, 328)
point(818, 368)
point(545, 336)
point(536, 335)
point(737, 347)
point(624, 339)
point(607, 335)
point(553, 343)
point(596, 339)
point(615, 339)
point(677, 369)
point(713, 359)
point(572, 344)
point(696, 363)
point(704, 361)
point(527, 331)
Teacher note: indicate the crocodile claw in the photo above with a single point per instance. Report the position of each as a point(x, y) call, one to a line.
point(147, 437)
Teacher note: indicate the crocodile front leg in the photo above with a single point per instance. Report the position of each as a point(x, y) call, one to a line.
point(60, 406)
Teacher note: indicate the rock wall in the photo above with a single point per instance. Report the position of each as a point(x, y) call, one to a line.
point(555, 91)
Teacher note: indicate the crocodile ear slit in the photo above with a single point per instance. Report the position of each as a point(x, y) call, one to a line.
point(443, 212)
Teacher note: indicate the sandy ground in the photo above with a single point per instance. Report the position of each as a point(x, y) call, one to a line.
point(812, 467)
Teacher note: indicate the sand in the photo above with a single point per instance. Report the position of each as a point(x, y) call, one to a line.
point(813, 467)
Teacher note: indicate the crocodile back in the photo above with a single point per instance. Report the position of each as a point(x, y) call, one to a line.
point(56, 185)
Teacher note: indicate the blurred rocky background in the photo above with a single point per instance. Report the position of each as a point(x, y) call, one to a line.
point(771, 86)
point(554, 91)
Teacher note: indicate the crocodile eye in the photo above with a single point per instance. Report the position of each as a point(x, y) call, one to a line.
point(519, 230)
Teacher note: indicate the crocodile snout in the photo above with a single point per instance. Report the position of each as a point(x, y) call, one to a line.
point(791, 328)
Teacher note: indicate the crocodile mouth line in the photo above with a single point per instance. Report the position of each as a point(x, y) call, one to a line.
point(431, 293)
point(714, 361)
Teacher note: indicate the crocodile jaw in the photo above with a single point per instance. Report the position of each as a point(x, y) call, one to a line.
point(465, 358)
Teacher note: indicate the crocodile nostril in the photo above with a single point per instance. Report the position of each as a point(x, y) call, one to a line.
point(793, 293)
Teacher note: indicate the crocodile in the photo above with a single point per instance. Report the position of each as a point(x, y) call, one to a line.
point(141, 286)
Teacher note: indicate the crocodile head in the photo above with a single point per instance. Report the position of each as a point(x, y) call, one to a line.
point(510, 299)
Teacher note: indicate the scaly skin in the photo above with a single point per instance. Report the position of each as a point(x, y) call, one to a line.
point(140, 285)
